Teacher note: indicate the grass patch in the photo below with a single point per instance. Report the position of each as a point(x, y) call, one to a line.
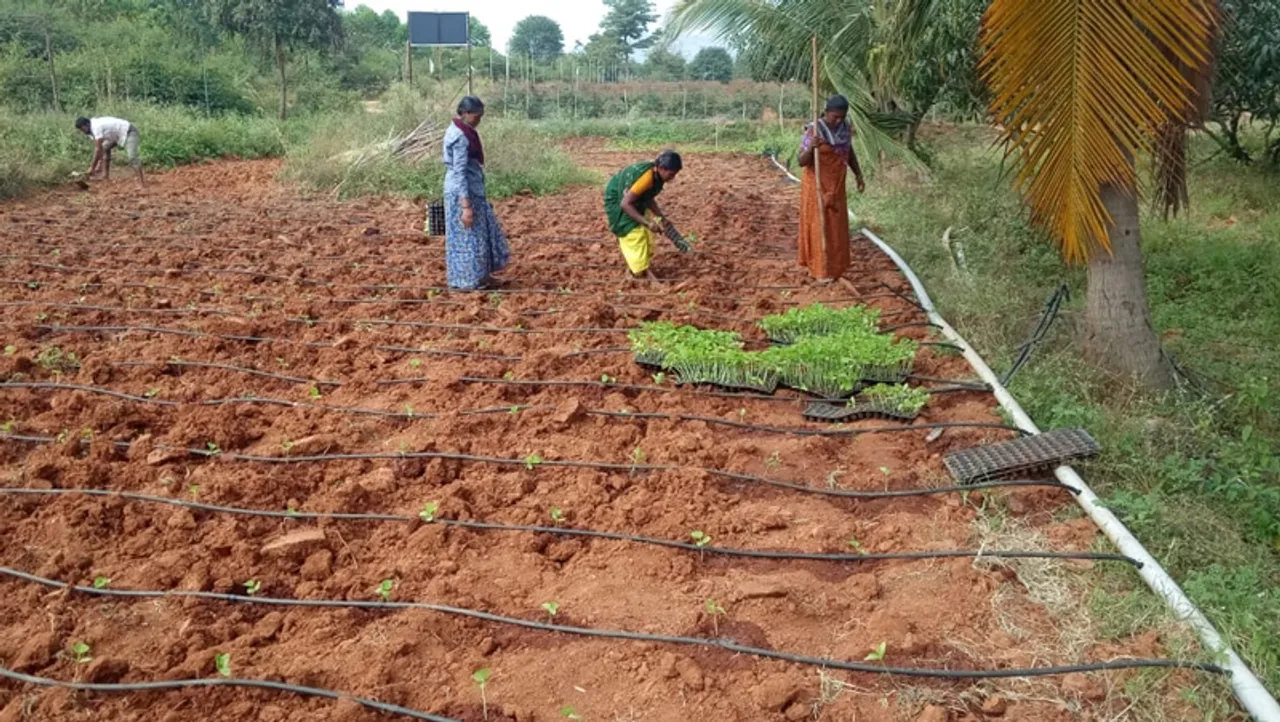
point(1196, 475)
point(689, 136)
point(518, 158)
point(42, 149)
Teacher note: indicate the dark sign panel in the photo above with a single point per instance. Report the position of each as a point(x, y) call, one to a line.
point(439, 29)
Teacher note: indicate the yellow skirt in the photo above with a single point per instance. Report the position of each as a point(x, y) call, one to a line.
point(637, 249)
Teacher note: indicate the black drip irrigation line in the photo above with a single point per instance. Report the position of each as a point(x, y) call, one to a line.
point(170, 685)
point(727, 645)
point(228, 367)
point(1047, 317)
point(630, 468)
point(120, 309)
point(475, 327)
point(589, 533)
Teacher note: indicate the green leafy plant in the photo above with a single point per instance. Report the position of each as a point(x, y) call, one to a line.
point(429, 511)
point(313, 393)
point(878, 653)
point(415, 363)
point(637, 457)
point(819, 320)
point(608, 380)
point(495, 299)
point(551, 608)
point(252, 587)
point(773, 461)
point(213, 448)
point(532, 461)
point(80, 653)
point(514, 411)
point(568, 712)
point(8, 426)
point(557, 514)
point(509, 376)
point(659, 378)
point(651, 341)
point(10, 350)
point(700, 538)
point(896, 398)
point(856, 545)
point(101, 582)
point(222, 662)
point(385, 588)
point(57, 361)
point(714, 610)
point(481, 678)
point(151, 393)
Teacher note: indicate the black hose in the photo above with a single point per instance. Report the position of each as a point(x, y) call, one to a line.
point(167, 685)
point(229, 367)
point(589, 533)
point(722, 644)
point(735, 476)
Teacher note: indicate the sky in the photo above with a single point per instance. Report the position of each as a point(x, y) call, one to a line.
point(578, 18)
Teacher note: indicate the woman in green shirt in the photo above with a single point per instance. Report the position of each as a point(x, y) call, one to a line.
point(630, 194)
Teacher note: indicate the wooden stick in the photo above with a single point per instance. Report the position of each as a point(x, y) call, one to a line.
point(817, 151)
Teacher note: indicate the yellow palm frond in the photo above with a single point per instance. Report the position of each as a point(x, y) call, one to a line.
point(1081, 87)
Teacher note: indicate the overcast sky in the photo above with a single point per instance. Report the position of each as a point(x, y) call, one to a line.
point(578, 18)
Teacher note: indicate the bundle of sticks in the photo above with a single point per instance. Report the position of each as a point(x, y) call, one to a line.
point(419, 144)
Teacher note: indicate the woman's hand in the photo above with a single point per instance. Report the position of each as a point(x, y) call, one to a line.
point(468, 217)
point(657, 226)
point(862, 185)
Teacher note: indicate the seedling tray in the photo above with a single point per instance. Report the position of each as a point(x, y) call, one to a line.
point(838, 414)
point(764, 388)
point(650, 359)
point(888, 374)
point(1020, 456)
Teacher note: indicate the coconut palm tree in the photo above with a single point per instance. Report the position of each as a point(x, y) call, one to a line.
point(1080, 90)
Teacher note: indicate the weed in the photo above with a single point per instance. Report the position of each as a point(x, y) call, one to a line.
point(557, 514)
point(481, 679)
point(385, 588)
point(714, 610)
point(532, 461)
point(774, 461)
point(429, 511)
point(252, 587)
point(878, 653)
point(551, 608)
point(101, 582)
point(80, 653)
point(222, 662)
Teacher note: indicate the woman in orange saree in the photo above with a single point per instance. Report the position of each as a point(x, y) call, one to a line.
point(832, 140)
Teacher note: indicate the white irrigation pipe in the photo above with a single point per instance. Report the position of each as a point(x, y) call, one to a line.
point(1253, 696)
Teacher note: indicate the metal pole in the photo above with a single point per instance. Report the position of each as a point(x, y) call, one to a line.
point(408, 60)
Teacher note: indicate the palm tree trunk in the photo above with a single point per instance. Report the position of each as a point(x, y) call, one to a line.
point(284, 83)
point(1119, 335)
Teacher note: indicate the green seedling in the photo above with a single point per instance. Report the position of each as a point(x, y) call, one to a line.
point(287, 445)
point(495, 299)
point(415, 363)
point(742, 414)
point(213, 448)
point(80, 653)
point(878, 653)
point(886, 470)
point(557, 514)
point(714, 610)
point(10, 350)
point(608, 380)
point(8, 426)
point(856, 545)
point(101, 582)
point(55, 360)
point(774, 461)
point(515, 411)
point(313, 393)
point(252, 587)
point(429, 511)
point(403, 447)
point(532, 461)
point(551, 608)
point(433, 293)
point(481, 678)
point(659, 377)
point(33, 285)
point(193, 490)
point(222, 662)
point(700, 538)
point(290, 510)
point(509, 376)
point(637, 457)
point(408, 409)
point(152, 393)
point(384, 589)
point(568, 712)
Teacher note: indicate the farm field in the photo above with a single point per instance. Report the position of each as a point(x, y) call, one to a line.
point(221, 340)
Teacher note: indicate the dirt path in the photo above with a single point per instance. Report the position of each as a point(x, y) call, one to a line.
point(221, 249)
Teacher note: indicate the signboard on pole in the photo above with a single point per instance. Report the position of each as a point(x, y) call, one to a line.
point(448, 30)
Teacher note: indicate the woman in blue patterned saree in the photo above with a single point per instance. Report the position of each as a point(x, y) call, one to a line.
point(475, 246)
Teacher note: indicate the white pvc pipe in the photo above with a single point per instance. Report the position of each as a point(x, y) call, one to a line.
point(1249, 690)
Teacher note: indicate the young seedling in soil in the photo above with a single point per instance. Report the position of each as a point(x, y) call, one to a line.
point(878, 653)
point(481, 678)
point(886, 470)
point(384, 589)
point(509, 376)
point(700, 539)
point(429, 510)
point(313, 393)
point(80, 653)
point(10, 350)
point(833, 478)
point(774, 461)
point(637, 458)
point(608, 380)
point(551, 608)
point(714, 610)
point(252, 587)
point(152, 393)
point(557, 514)
point(532, 461)
point(515, 411)
point(193, 490)
point(569, 712)
point(222, 662)
point(101, 582)
point(287, 445)
point(658, 378)
point(856, 545)
point(415, 363)
point(495, 299)
point(408, 409)
point(8, 426)
point(213, 448)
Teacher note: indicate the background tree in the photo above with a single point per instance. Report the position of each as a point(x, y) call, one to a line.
point(279, 25)
point(537, 37)
point(712, 64)
point(664, 65)
point(1246, 86)
point(628, 22)
point(480, 37)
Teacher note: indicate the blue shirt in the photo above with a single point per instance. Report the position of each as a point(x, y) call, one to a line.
point(463, 174)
